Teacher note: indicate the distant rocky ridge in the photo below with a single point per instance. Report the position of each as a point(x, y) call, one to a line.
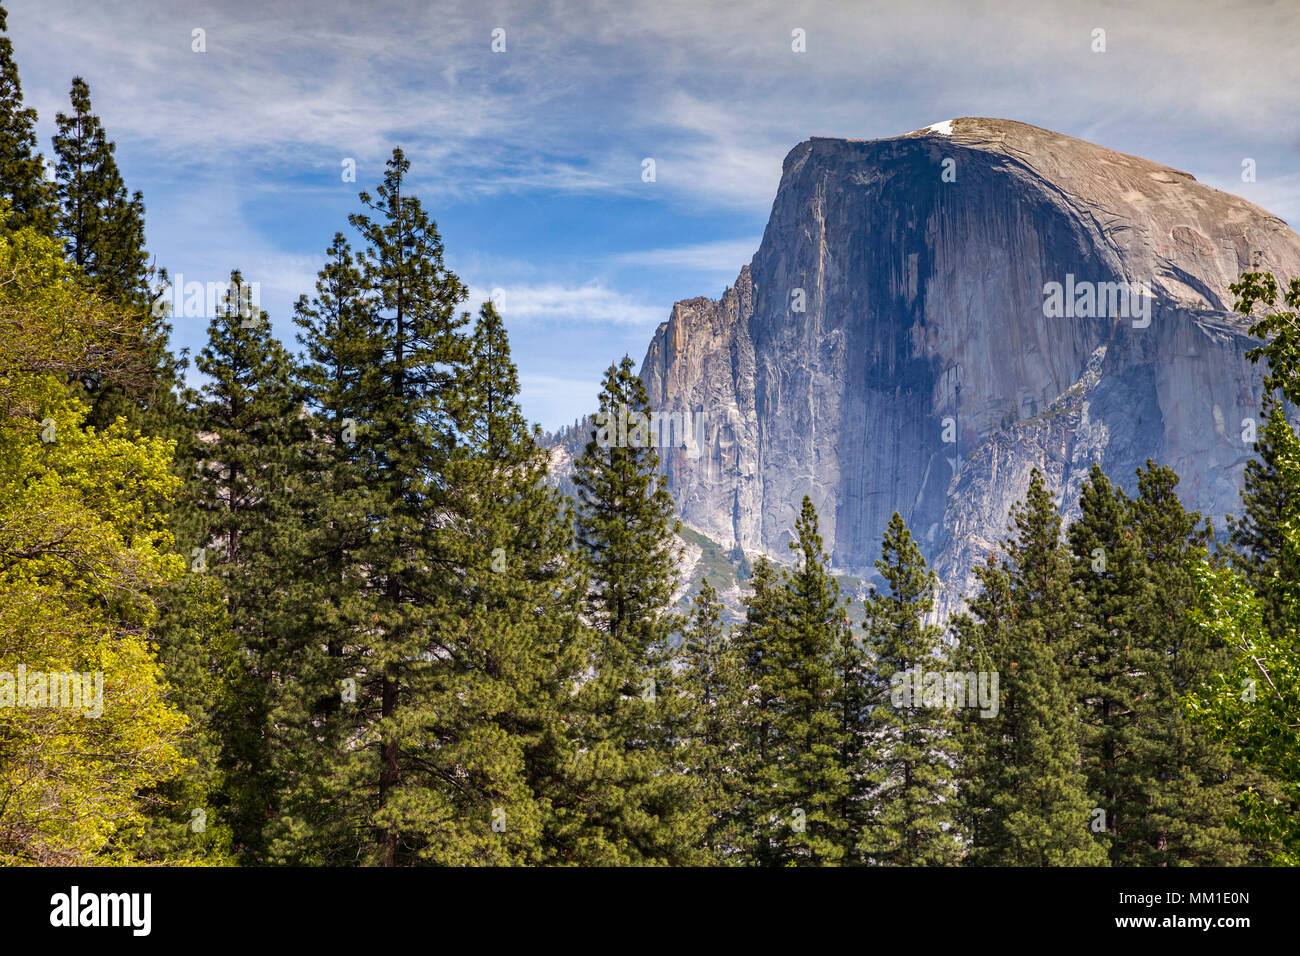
point(889, 348)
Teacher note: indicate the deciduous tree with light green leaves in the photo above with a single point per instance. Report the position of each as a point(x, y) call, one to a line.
point(84, 554)
point(1254, 706)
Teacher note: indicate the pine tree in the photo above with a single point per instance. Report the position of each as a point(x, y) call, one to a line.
point(510, 630)
point(484, 761)
point(446, 600)
point(1023, 790)
point(911, 747)
point(102, 224)
point(853, 706)
point(22, 169)
point(641, 812)
point(249, 422)
point(759, 833)
point(322, 818)
point(248, 411)
point(1120, 665)
point(711, 678)
point(408, 427)
point(1195, 780)
point(103, 228)
point(530, 605)
point(805, 781)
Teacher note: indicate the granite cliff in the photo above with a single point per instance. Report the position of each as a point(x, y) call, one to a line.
point(896, 343)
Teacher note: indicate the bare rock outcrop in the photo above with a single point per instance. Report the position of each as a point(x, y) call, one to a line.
point(892, 346)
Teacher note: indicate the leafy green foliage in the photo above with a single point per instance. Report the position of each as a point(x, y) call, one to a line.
point(84, 558)
point(1252, 706)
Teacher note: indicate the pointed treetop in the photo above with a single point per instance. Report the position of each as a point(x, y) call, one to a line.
point(22, 174)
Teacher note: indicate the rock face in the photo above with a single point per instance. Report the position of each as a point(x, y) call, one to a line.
point(891, 346)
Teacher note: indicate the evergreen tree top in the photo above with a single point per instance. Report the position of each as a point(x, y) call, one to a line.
point(22, 174)
point(102, 223)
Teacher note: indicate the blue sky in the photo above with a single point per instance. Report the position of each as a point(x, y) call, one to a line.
point(530, 160)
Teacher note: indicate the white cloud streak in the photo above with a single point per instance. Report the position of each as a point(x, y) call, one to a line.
point(557, 303)
point(713, 92)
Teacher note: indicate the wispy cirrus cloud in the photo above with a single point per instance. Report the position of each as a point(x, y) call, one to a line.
point(533, 156)
point(557, 303)
point(722, 255)
point(585, 90)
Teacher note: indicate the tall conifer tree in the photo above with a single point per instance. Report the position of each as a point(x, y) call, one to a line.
point(511, 631)
point(22, 169)
point(1023, 790)
point(642, 812)
point(101, 223)
point(1195, 779)
point(711, 680)
point(853, 706)
point(804, 777)
point(760, 829)
point(249, 421)
point(408, 422)
point(102, 226)
point(912, 747)
point(329, 604)
point(1121, 665)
